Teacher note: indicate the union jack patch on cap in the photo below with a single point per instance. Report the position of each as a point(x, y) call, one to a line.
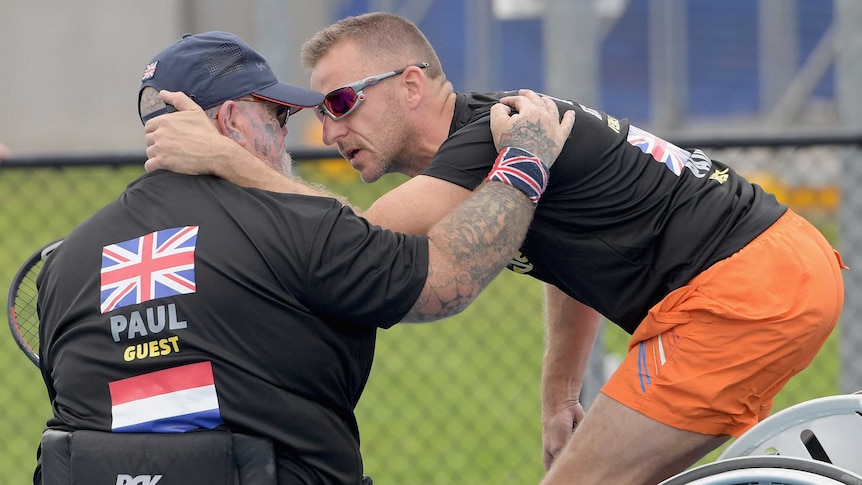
point(149, 71)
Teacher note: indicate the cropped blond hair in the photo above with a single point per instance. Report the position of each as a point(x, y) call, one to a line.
point(385, 37)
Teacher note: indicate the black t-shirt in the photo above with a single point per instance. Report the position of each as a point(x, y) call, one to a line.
point(626, 217)
point(191, 303)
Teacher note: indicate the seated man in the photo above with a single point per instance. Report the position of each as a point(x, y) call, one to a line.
point(191, 303)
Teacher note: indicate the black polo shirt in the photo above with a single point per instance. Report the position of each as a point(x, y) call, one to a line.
point(192, 303)
point(626, 217)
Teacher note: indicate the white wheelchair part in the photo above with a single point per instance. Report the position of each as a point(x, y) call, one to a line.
point(827, 429)
point(766, 470)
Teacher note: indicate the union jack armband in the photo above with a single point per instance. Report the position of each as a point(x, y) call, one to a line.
point(522, 170)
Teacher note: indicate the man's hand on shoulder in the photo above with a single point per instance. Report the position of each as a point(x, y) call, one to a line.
point(531, 122)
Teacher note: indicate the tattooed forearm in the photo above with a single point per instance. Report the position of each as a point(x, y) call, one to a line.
point(470, 247)
point(530, 135)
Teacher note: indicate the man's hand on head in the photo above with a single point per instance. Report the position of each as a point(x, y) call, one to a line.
point(185, 141)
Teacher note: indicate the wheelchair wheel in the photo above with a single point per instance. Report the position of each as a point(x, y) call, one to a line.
point(766, 470)
point(827, 429)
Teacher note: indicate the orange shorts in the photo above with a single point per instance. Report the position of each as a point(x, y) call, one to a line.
point(711, 356)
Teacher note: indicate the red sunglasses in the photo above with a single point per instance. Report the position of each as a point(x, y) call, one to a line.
point(339, 102)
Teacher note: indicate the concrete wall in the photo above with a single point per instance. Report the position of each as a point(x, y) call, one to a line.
point(70, 71)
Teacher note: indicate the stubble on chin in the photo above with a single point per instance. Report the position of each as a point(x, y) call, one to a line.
point(369, 176)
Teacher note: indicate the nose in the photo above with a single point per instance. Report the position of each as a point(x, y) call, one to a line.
point(333, 130)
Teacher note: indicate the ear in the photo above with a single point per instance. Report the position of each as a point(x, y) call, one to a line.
point(149, 101)
point(228, 122)
point(416, 83)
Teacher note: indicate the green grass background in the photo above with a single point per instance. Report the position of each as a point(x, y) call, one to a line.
point(453, 402)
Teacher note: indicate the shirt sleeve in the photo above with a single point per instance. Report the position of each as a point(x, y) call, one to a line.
point(359, 273)
point(466, 157)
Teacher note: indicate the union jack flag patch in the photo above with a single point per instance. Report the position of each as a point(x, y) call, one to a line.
point(156, 265)
point(522, 170)
point(150, 71)
point(667, 153)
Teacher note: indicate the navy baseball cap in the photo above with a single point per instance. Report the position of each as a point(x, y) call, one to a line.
point(214, 67)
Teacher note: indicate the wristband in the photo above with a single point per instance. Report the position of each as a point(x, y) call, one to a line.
point(522, 170)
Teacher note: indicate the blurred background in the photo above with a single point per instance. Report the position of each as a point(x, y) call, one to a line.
point(770, 86)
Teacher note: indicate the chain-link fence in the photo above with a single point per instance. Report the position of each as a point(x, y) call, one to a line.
point(454, 402)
